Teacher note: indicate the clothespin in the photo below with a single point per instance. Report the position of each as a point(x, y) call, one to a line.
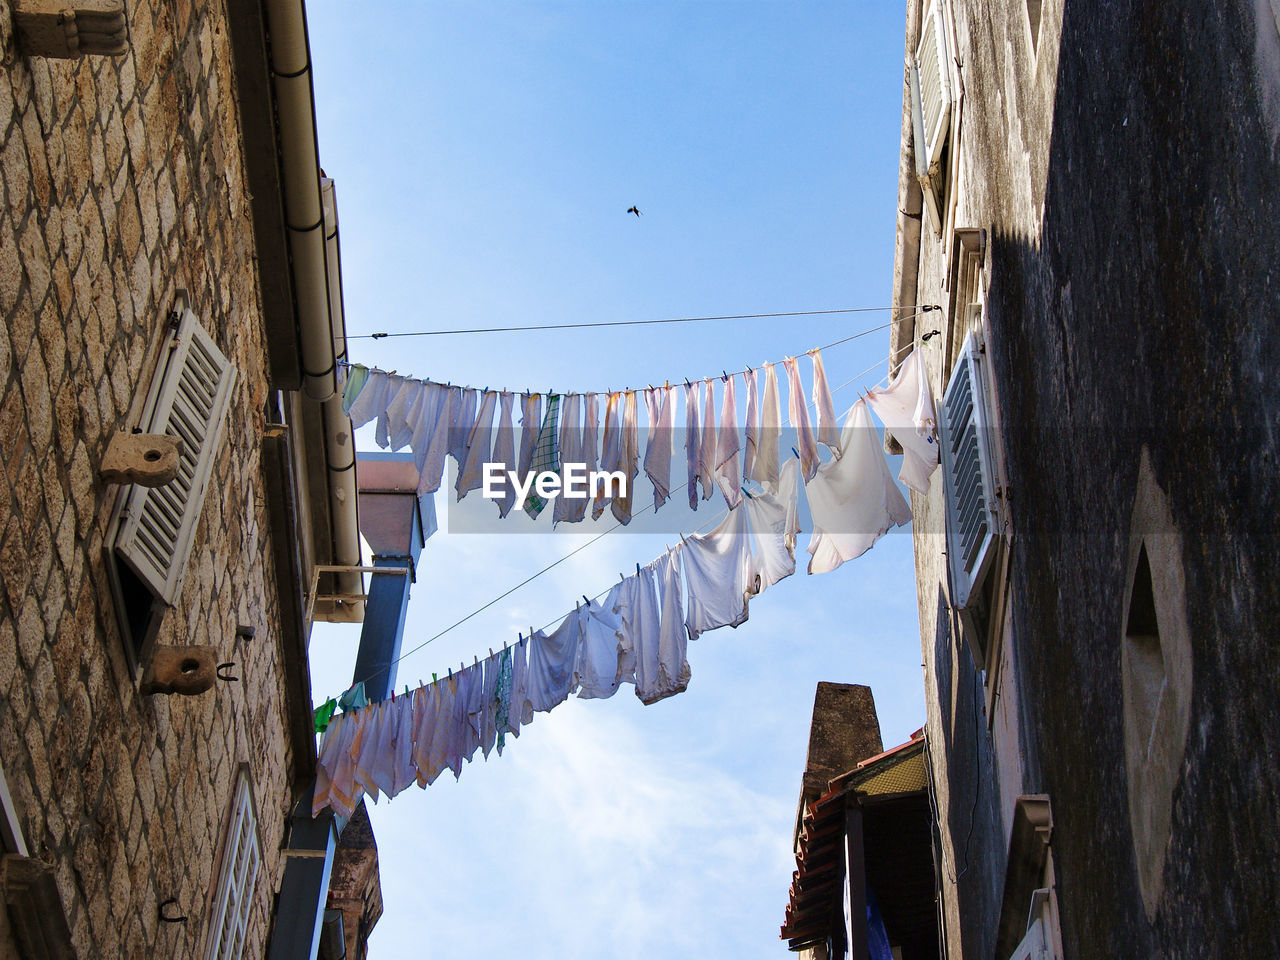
point(406, 688)
point(637, 569)
point(587, 600)
point(504, 646)
point(393, 694)
point(724, 375)
point(451, 673)
point(491, 653)
point(747, 492)
point(477, 663)
point(683, 540)
point(687, 383)
point(796, 452)
point(434, 678)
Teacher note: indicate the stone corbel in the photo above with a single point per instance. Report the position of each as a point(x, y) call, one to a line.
point(61, 30)
point(146, 459)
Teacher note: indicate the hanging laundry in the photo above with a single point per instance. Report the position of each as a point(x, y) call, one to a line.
point(628, 457)
point(426, 706)
point(399, 425)
point(546, 454)
point(590, 452)
point(552, 658)
point(502, 699)
point(353, 382)
point(620, 602)
point(335, 770)
point(635, 602)
point(707, 450)
point(610, 450)
point(570, 452)
point(521, 712)
point(371, 400)
point(478, 448)
point(353, 698)
point(727, 475)
point(366, 750)
point(464, 419)
point(504, 454)
point(774, 521)
point(431, 441)
point(597, 664)
point(766, 466)
point(826, 429)
point(673, 638)
point(382, 429)
point(692, 441)
point(853, 500)
point(905, 408)
point(403, 770)
point(660, 404)
point(324, 715)
point(753, 424)
point(459, 740)
point(530, 427)
point(718, 575)
point(798, 414)
point(482, 718)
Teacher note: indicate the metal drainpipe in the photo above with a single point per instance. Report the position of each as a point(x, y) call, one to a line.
point(311, 220)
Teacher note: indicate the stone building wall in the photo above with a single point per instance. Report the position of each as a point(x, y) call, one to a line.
point(123, 183)
point(1122, 163)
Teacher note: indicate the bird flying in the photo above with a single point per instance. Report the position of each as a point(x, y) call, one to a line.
point(635, 210)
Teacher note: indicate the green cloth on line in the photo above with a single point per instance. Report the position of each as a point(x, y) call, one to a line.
point(546, 455)
point(357, 377)
point(324, 714)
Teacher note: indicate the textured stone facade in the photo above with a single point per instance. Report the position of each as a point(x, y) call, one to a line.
point(123, 183)
point(1110, 205)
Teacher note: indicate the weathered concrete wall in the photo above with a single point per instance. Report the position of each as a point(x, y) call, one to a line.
point(123, 181)
point(1126, 171)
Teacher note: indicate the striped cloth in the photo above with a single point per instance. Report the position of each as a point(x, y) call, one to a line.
point(546, 455)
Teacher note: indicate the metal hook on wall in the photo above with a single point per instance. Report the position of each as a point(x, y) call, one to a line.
point(167, 919)
point(223, 671)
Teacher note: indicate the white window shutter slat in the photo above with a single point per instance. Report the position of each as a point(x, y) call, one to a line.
point(933, 69)
point(189, 399)
point(233, 897)
point(964, 427)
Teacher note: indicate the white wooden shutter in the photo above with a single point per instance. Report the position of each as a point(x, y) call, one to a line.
point(932, 79)
point(190, 394)
point(964, 427)
point(1032, 946)
point(233, 897)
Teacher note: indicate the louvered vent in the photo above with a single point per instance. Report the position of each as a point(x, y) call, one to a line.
point(966, 461)
point(191, 403)
point(933, 79)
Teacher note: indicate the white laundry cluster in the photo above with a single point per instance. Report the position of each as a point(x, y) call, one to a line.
point(638, 633)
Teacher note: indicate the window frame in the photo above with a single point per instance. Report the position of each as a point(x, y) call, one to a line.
point(239, 834)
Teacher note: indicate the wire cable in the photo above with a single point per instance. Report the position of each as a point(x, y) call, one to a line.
point(613, 323)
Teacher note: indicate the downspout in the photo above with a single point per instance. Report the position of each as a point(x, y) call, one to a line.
point(906, 254)
point(312, 225)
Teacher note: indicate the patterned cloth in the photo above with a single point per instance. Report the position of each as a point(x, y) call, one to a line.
point(546, 455)
point(502, 700)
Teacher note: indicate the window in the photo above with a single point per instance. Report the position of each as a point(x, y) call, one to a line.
point(969, 485)
point(152, 527)
point(233, 897)
point(931, 99)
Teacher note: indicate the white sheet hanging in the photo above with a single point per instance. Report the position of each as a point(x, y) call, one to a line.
point(504, 453)
point(628, 457)
point(464, 419)
point(552, 658)
point(660, 403)
point(571, 451)
point(728, 477)
point(826, 430)
point(707, 448)
point(905, 408)
point(753, 424)
point(798, 414)
point(673, 671)
point(598, 653)
point(774, 520)
point(610, 450)
point(718, 575)
point(853, 500)
point(766, 466)
point(478, 448)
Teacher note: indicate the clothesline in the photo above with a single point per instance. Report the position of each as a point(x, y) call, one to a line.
point(640, 634)
point(724, 374)
point(591, 542)
point(617, 323)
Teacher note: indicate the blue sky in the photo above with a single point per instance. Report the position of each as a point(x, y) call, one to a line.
point(485, 155)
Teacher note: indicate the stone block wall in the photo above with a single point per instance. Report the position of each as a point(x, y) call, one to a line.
point(123, 182)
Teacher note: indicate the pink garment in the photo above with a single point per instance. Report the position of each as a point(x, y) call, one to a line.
point(692, 442)
point(628, 456)
point(853, 500)
point(766, 466)
point(570, 509)
point(530, 425)
point(610, 449)
point(727, 475)
point(798, 414)
point(753, 424)
point(826, 429)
